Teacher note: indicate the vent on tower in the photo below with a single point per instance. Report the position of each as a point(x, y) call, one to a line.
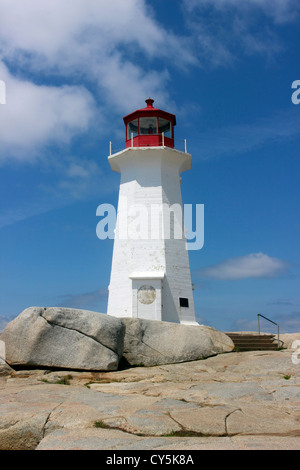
point(183, 302)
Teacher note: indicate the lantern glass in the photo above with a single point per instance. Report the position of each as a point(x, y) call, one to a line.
point(148, 125)
point(165, 126)
point(132, 128)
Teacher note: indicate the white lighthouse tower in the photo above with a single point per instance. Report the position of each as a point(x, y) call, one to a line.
point(150, 274)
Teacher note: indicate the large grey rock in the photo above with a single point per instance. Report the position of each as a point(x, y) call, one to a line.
point(151, 343)
point(5, 369)
point(290, 340)
point(2, 352)
point(65, 338)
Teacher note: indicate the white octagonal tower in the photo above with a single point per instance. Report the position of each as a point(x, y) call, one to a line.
point(150, 274)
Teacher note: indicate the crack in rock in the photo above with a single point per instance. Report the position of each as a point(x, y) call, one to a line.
point(227, 416)
point(145, 344)
point(43, 432)
point(93, 338)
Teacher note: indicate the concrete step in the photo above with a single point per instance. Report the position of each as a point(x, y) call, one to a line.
point(253, 342)
point(251, 335)
point(252, 347)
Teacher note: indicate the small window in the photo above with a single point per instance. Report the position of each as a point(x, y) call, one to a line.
point(148, 125)
point(183, 302)
point(165, 127)
point(132, 128)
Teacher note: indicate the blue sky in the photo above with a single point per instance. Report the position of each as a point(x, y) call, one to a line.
point(73, 69)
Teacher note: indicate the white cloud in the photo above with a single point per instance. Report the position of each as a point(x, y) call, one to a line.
point(288, 323)
point(53, 27)
point(85, 300)
point(105, 45)
point(61, 182)
point(24, 211)
point(78, 178)
point(4, 320)
point(126, 85)
point(236, 140)
point(36, 115)
point(227, 29)
point(117, 48)
point(93, 39)
point(254, 265)
point(281, 11)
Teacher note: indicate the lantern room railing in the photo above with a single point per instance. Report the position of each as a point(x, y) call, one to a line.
point(118, 145)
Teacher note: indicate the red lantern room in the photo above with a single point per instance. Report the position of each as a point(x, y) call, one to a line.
point(150, 127)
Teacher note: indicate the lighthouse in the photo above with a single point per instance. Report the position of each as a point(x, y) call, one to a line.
point(150, 274)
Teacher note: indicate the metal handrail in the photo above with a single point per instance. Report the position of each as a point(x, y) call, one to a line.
point(274, 323)
point(120, 144)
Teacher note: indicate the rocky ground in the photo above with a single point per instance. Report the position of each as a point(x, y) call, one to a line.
point(237, 400)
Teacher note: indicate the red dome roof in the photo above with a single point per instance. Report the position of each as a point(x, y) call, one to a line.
point(149, 127)
point(150, 111)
